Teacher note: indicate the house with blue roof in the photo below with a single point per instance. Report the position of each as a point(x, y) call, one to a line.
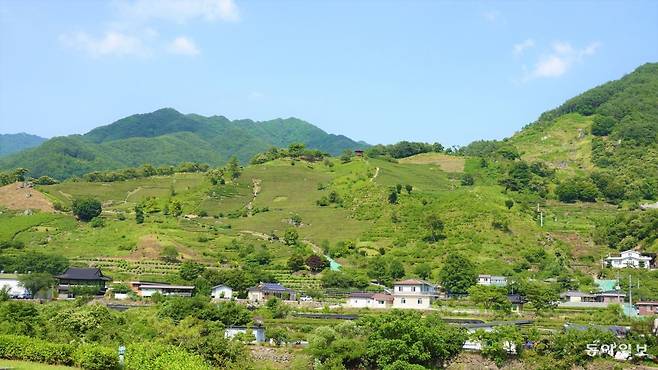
point(264, 291)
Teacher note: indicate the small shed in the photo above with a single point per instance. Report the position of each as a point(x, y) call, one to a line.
point(221, 292)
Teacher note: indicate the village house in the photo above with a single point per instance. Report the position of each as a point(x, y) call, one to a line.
point(221, 292)
point(492, 280)
point(591, 300)
point(358, 153)
point(647, 308)
point(517, 302)
point(414, 294)
point(629, 258)
point(148, 289)
point(13, 286)
point(81, 279)
point(264, 291)
point(369, 300)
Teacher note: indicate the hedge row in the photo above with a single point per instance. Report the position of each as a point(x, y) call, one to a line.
point(94, 357)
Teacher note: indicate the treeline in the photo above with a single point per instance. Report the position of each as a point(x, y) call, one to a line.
point(403, 149)
point(145, 170)
point(294, 151)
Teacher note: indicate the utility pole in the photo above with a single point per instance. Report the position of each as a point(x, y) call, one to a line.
point(630, 291)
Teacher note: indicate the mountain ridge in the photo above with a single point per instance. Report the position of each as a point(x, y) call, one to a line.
point(168, 137)
point(14, 143)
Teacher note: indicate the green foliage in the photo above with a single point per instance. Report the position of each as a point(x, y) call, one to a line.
point(97, 222)
point(19, 318)
point(576, 188)
point(490, 297)
point(435, 226)
point(190, 270)
point(497, 344)
point(95, 357)
point(296, 262)
point(45, 180)
point(423, 270)
point(396, 269)
point(86, 208)
point(467, 179)
point(403, 149)
point(16, 347)
point(30, 261)
point(37, 282)
point(277, 308)
point(139, 214)
point(602, 125)
point(410, 337)
point(541, 296)
point(291, 237)
point(339, 279)
point(14, 143)
point(625, 231)
point(457, 274)
point(169, 254)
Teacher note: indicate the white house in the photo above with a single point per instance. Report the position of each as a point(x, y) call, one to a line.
point(264, 291)
point(10, 281)
point(492, 280)
point(369, 300)
point(629, 258)
point(414, 294)
point(221, 292)
point(147, 289)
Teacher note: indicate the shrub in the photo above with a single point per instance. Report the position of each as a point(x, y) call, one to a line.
point(95, 357)
point(161, 357)
point(97, 222)
point(16, 347)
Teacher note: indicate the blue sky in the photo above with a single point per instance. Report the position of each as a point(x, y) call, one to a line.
point(379, 71)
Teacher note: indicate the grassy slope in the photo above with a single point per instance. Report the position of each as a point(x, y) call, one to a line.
point(286, 189)
point(566, 144)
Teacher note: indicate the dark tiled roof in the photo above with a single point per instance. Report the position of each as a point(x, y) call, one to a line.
point(74, 273)
point(270, 287)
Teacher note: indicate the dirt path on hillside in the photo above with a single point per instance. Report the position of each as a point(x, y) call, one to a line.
point(256, 234)
point(375, 175)
point(132, 192)
point(256, 189)
point(17, 196)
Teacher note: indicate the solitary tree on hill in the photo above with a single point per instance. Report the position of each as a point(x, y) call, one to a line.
point(435, 227)
point(291, 237)
point(86, 208)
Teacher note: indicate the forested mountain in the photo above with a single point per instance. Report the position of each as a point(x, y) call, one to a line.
point(12, 143)
point(167, 137)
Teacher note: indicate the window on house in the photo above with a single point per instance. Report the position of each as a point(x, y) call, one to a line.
point(381, 302)
point(413, 288)
point(399, 288)
point(404, 301)
point(420, 301)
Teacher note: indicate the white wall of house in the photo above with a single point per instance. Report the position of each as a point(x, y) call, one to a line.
point(14, 286)
point(358, 302)
point(630, 259)
point(416, 302)
point(255, 296)
point(222, 292)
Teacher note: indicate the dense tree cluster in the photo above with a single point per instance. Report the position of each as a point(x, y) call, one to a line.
point(294, 151)
point(626, 231)
point(145, 170)
point(403, 149)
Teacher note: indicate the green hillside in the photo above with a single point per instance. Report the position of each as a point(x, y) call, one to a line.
point(13, 143)
point(611, 128)
point(167, 137)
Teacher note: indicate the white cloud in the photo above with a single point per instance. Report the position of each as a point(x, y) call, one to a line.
point(560, 59)
point(183, 45)
point(491, 15)
point(180, 11)
point(523, 46)
point(111, 43)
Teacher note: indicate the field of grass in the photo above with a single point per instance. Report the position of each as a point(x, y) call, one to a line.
point(447, 163)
